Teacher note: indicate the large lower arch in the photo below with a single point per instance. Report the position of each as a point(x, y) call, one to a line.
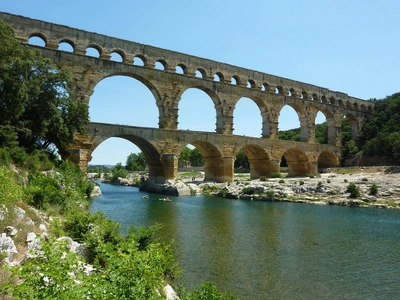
point(260, 162)
point(216, 166)
point(327, 159)
point(298, 163)
point(157, 168)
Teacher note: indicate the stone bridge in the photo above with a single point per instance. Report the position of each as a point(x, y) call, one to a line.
point(225, 85)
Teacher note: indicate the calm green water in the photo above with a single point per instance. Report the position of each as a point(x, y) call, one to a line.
point(264, 250)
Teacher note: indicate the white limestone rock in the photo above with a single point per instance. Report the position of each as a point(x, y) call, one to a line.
point(96, 192)
point(11, 231)
point(7, 245)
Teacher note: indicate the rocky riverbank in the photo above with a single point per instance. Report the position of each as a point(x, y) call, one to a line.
point(329, 187)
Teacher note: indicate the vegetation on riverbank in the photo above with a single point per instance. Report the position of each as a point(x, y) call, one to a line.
point(130, 266)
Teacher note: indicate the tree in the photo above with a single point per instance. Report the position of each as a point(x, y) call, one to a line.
point(36, 110)
point(196, 159)
point(136, 162)
point(241, 160)
point(184, 157)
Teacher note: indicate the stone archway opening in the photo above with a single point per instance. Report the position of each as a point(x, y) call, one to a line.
point(289, 127)
point(196, 111)
point(191, 164)
point(123, 100)
point(321, 129)
point(112, 151)
point(247, 119)
point(298, 163)
point(216, 167)
point(327, 160)
point(257, 160)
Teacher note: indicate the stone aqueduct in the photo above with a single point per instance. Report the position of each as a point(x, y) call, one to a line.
point(224, 84)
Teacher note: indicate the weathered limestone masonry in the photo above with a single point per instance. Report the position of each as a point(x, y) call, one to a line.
point(225, 84)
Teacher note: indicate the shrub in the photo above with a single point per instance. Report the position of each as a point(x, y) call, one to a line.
point(281, 181)
point(301, 182)
point(353, 190)
point(275, 175)
point(373, 190)
point(345, 180)
point(364, 179)
point(270, 193)
point(263, 178)
point(10, 190)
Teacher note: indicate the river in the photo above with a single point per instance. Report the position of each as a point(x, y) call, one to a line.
point(271, 250)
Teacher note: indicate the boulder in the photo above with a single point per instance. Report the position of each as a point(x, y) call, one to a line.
point(11, 231)
point(7, 245)
point(96, 192)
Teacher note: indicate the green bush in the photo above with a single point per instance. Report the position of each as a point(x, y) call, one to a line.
point(275, 175)
point(373, 190)
point(353, 190)
point(364, 179)
point(207, 291)
point(281, 181)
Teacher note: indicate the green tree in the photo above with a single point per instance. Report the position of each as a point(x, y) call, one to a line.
point(184, 157)
point(241, 160)
point(136, 161)
point(381, 132)
point(36, 109)
point(196, 159)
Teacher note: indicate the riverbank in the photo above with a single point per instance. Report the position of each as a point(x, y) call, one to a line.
point(377, 186)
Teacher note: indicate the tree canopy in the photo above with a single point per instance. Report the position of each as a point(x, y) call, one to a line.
point(36, 110)
point(380, 134)
point(136, 162)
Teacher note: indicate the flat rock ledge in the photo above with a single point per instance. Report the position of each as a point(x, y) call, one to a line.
point(329, 188)
point(170, 187)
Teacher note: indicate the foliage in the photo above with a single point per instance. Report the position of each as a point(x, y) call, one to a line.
point(275, 175)
point(10, 189)
point(353, 190)
point(350, 149)
point(57, 188)
point(373, 190)
point(98, 169)
point(380, 134)
point(36, 109)
point(196, 159)
point(127, 272)
point(321, 133)
point(136, 162)
point(289, 135)
point(241, 160)
point(207, 291)
point(190, 155)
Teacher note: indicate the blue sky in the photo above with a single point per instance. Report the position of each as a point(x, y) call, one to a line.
point(348, 46)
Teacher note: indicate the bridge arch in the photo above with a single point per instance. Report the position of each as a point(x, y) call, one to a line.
point(218, 109)
point(152, 89)
point(250, 118)
point(260, 161)
point(327, 159)
point(216, 166)
point(153, 157)
point(298, 162)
